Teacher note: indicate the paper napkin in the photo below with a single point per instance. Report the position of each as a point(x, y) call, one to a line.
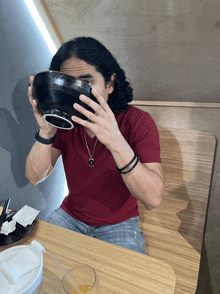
point(24, 217)
point(8, 227)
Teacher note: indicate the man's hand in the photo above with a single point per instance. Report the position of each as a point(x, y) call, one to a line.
point(102, 123)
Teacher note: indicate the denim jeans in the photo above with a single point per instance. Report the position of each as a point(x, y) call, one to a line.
point(126, 234)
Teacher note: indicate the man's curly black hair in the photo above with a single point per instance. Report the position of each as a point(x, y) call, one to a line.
point(94, 53)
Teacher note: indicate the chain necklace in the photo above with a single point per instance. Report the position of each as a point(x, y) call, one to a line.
point(91, 159)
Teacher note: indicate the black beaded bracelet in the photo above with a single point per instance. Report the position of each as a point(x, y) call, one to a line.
point(131, 167)
point(120, 170)
point(42, 140)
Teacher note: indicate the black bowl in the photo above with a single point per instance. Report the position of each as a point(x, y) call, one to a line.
point(56, 93)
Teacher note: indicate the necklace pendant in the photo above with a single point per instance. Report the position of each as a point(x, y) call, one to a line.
point(91, 162)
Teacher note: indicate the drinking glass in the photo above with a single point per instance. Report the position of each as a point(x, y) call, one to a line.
point(83, 280)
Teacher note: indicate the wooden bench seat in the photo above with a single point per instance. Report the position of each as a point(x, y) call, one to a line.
point(174, 231)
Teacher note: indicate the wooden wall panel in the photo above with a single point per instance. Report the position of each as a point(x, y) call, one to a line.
point(169, 49)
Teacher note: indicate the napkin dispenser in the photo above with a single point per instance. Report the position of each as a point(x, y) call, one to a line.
point(21, 269)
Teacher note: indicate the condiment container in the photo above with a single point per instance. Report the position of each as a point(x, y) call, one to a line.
point(21, 269)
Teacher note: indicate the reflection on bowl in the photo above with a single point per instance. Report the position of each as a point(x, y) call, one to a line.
point(56, 93)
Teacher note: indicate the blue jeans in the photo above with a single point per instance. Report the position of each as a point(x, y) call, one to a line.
point(126, 234)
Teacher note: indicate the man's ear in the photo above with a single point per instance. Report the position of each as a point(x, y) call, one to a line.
point(110, 85)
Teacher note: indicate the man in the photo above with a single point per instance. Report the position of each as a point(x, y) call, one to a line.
point(111, 160)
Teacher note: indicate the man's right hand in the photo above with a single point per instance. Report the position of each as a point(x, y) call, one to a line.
point(47, 131)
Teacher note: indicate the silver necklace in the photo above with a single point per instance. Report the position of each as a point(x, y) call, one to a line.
point(91, 159)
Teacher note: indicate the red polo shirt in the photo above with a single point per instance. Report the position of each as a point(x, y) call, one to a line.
point(98, 195)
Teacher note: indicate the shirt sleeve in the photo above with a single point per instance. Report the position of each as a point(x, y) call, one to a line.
point(145, 139)
point(58, 140)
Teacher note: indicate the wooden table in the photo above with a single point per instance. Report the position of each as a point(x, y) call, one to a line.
point(120, 271)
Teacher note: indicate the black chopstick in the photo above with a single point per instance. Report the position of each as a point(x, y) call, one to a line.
point(2, 217)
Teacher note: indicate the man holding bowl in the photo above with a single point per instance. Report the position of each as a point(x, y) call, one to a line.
point(111, 160)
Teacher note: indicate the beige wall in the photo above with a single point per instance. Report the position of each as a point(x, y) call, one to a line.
point(168, 48)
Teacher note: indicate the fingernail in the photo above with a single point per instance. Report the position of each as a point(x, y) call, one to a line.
point(82, 97)
point(76, 105)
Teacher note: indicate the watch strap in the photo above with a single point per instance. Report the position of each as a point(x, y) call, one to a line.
point(42, 140)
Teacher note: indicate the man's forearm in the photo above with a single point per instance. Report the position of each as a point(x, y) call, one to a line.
point(38, 161)
point(144, 183)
